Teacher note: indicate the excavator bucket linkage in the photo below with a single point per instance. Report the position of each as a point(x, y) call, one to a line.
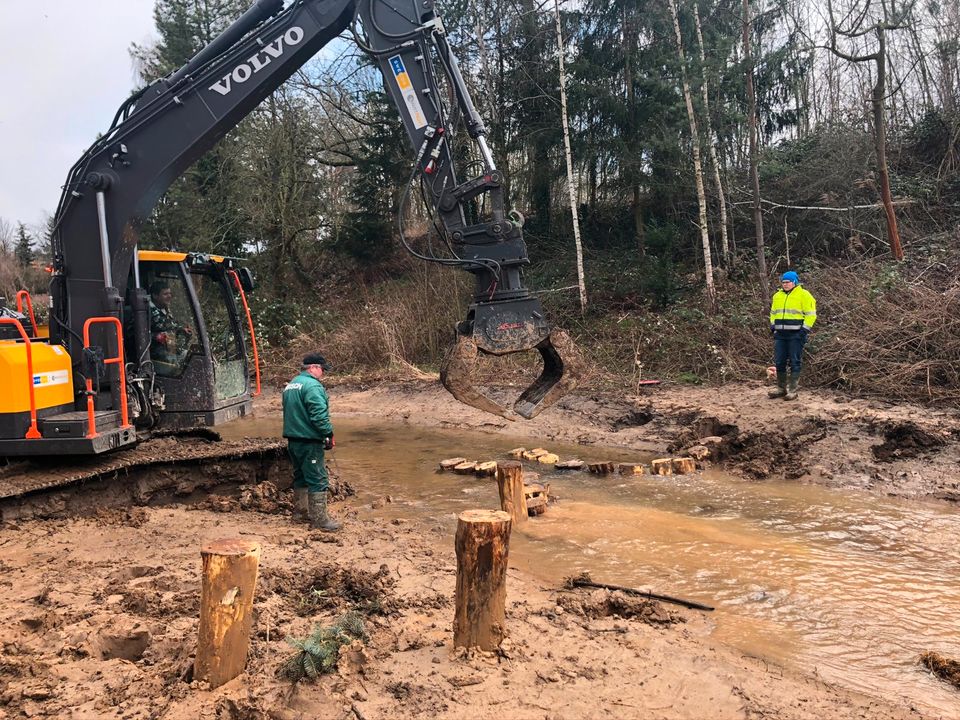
point(504, 333)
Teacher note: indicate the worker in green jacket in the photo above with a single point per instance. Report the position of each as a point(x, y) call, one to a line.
point(793, 312)
point(307, 428)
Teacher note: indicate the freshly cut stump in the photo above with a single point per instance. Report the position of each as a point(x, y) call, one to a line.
point(601, 468)
point(517, 453)
point(468, 467)
point(482, 545)
point(537, 496)
point(226, 609)
point(530, 455)
point(662, 466)
point(631, 469)
point(684, 465)
point(451, 463)
point(510, 484)
point(570, 465)
point(548, 459)
point(487, 468)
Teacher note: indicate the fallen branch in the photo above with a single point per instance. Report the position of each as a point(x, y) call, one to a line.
point(585, 581)
point(944, 668)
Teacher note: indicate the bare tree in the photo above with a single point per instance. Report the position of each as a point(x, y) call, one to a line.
point(860, 21)
point(754, 143)
point(6, 236)
point(697, 165)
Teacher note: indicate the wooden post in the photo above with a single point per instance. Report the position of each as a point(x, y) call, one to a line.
point(226, 609)
point(510, 483)
point(482, 544)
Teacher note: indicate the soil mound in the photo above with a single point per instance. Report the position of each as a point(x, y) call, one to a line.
point(905, 440)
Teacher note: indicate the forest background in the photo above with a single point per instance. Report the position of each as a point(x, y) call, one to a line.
point(713, 145)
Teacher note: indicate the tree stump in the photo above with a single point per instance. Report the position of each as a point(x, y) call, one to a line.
point(510, 483)
point(548, 459)
point(662, 466)
point(570, 465)
point(226, 609)
point(487, 468)
point(631, 468)
point(517, 453)
point(603, 467)
point(537, 496)
point(482, 544)
point(684, 465)
point(468, 467)
point(451, 463)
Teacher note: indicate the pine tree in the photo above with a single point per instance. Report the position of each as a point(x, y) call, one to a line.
point(24, 247)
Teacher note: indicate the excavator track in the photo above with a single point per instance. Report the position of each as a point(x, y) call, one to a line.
point(158, 469)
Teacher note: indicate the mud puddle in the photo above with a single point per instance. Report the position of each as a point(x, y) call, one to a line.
point(845, 586)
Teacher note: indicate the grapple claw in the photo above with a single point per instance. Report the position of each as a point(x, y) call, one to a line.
point(563, 369)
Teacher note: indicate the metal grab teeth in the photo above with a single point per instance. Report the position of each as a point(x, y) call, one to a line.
point(563, 369)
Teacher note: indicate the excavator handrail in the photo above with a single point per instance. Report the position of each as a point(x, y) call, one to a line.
point(32, 433)
point(253, 333)
point(21, 294)
point(116, 360)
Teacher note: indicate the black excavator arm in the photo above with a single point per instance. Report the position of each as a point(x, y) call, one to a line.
point(157, 134)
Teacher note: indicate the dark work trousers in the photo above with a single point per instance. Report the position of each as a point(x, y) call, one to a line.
point(788, 348)
point(309, 470)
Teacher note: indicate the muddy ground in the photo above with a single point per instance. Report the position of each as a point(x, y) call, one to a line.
point(99, 617)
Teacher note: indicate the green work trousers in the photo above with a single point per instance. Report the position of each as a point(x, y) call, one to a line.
point(309, 470)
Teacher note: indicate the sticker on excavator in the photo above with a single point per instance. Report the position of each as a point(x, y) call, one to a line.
point(58, 377)
point(409, 94)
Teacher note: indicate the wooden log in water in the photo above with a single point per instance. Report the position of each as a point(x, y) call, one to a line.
point(662, 466)
point(684, 465)
point(487, 468)
point(468, 467)
point(226, 609)
point(548, 459)
point(482, 545)
point(570, 465)
point(517, 453)
point(601, 467)
point(510, 486)
point(631, 468)
point(451, 463)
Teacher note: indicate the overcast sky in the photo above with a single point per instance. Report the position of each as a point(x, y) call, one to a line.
point(65, 70)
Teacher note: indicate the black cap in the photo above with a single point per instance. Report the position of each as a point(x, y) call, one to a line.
point(316, 359)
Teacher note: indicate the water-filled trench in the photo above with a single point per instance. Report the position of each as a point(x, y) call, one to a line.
point(845, 585)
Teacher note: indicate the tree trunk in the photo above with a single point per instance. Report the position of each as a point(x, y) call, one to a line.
point(226, 609)
point(697, 166)
point(629, 42)
point(510, 484)
point(714, 159)
point(880, 145)
point(482, 546)
point(754, 143)
point(571, 185)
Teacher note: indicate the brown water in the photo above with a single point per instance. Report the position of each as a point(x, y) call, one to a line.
point(845, 585)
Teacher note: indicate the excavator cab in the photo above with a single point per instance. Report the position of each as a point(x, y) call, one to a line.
point(196, 337)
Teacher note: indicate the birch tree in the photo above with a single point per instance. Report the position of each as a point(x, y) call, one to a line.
point(697, 166)
point(754, 142)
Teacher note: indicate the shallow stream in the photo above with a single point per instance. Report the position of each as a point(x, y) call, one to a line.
point(844, 585)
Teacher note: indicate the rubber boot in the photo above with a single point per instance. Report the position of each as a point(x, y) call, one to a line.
point(792, 387)
point(781, 388)
point(319, 520)
point(301, 504)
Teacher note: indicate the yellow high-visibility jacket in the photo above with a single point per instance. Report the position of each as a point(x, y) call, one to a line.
point(793, 310)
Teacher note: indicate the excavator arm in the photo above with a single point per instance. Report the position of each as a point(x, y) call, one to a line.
point(161, 131)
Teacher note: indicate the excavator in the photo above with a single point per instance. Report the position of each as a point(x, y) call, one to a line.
point(100, 377)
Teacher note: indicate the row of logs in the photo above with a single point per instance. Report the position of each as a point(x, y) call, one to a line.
point(661, 466)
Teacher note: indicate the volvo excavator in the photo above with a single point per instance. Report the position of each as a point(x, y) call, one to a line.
point(100, 378)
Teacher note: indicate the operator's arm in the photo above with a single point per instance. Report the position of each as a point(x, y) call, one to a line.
point(809, 310)
point(318, 409)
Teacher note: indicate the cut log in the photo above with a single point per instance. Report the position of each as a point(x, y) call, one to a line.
point(537, 505)
point(510, 484)
point(684, 465)
point(226, 609)
point(539, 451)
point(487, 468)
point(548, 459)
point(517, 453)
point(570, 465)
point(631, 469)
point(698, 452)
point(482, 546)
point(468, 467)
point(451, 463)
point(662, 466)
point(603, 467)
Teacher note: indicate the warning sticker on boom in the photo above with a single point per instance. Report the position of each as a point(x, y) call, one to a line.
point(409, 94)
